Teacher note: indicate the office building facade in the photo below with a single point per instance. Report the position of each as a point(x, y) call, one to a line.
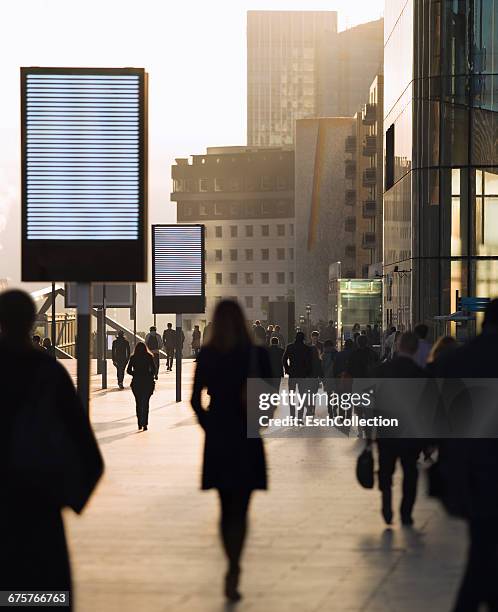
point(245, 198)
point(441, 156)
point(287, 70)
point(325, 216)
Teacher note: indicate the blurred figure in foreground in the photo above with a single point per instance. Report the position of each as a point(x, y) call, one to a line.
point(49, 458)
point(469, 469)
point(142, 367)
point(424, 346)
point(441, 347)
point(233, 463)
point(120, 356)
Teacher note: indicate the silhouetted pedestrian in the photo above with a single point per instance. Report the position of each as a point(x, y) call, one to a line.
point(120, 356)
point(154, 343)
point(48, 347)
point(342, 358)
point(330, 333)
point(49, 458)
point(298, 364)
point(169, 343)
point(277, 333)
point(424, 346)
point(407, 450)
point(470, 469)
point(142, 367)
point(206, 333)
point(269, 334)
point(276, 354)
point(196, 341)
point(37, 342)
point(259, 333)
point(234, 463)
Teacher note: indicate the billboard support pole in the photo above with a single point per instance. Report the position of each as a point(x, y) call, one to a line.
point(52, 331)
point(134, 315)
point(84, 304)
point(179, 350)
point(104, 340)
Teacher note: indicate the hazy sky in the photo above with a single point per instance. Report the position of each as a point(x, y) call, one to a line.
point(194, 51)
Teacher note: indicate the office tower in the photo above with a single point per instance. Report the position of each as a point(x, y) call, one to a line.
point(287, 69)
point(245, 198)
point(299, 66)
point(441, 172)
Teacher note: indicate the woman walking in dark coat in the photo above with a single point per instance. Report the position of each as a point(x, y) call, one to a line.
point(143, 370)
point(233, 463)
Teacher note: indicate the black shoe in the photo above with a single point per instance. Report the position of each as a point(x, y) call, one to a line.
point(231, 584)
point(139, 428)
point(144, 428)
point(406, 521)
point(121, 386)
point(387, 515)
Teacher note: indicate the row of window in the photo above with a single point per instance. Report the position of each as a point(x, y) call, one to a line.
point(264, 230)
point(248, 278)
point(249, 300)
point(262, 183)
point(233, 254)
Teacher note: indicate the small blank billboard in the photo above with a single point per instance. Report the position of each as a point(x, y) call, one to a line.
point(178, 269)
point(84, 174)
point(115, 295)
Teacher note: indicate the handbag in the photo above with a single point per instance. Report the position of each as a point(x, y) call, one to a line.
point(365, 468)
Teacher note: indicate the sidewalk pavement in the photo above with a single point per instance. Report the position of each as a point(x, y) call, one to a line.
point(148, 540)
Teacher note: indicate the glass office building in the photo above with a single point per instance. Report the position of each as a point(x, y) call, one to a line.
point(441, 156)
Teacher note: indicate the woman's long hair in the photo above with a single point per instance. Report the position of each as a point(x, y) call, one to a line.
point(229, 330)
point(141, 350)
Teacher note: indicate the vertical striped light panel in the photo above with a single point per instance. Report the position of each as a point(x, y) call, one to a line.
point(82, 157)
point(177, 260)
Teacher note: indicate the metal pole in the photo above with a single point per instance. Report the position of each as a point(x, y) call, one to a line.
point(134, 315)
point(179, 357)
point(155, 322)
point(83, 301)
point(104, 340)
point(53, 331)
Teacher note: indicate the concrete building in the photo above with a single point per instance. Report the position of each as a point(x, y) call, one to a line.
point(325, 216)
point(245, 198)
point(299, 66)
point(365, 148)
point(441, 172)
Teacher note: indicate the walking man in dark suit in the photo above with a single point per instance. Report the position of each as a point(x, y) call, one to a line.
point(298, 364)
point(120, 356)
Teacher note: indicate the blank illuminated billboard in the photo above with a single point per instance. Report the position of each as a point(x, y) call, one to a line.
point(84, 174)
point(178, 269)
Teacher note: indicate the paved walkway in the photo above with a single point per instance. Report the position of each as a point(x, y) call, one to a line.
point(148, 540)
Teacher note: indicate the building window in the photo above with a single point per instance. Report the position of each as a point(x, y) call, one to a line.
point(291, 278)
point(266, 183)
point(234, 254)
point(265, 278)
point(203, 184)
point(249, 301)
point(281, 278)
point(280, 254)
point(265, 254)
point(389, 179)
point(235, 184)
point(233, 278)
point(249, 277)
point(281, 183)
point(218, 231)
point(291, 229)
point(233, 231)
point(188, 325)
point(265, 230)
point(291, 254)
point(218, 255)
point(280, 230)
point(218, 278)
point(280, 298)
point(249, 254)
point(219, 184)
point(264, 303)
point(249, 231)
point(178, 185)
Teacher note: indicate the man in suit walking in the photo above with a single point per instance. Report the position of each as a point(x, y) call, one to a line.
point(298, 364)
